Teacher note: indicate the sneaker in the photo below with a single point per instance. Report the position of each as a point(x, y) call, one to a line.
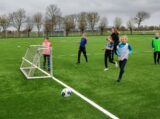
point(106, 69)
point(118, 80)
point(116, 64)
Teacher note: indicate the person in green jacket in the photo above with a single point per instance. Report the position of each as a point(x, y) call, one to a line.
point(156, 47)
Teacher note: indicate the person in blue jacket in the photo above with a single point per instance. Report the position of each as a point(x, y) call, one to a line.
point(82, 48)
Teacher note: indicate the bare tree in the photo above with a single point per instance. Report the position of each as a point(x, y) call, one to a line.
point(75, 16)
point(52, 12)
point(103, 24)
point(118, 22)
point(130, 25)
point(29, 25)
point(82, 22)
point(69, 24)
point(92, 19)
point(4, 22)
point(18, 18)
point(60, 22)
point(38, 21)
point(47, 27)
point(140, 17)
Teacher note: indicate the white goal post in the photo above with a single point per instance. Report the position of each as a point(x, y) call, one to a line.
point(32, 65)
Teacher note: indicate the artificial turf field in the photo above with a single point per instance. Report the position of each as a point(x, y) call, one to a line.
point(136, 97)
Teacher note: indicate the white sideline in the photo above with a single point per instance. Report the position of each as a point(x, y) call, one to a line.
point(77, 93)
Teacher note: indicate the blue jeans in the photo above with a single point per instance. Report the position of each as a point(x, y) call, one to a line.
point(46, 60)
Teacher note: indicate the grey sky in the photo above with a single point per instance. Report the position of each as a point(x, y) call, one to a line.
point(109, 8)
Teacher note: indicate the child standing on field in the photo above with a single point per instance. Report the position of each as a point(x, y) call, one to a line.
point(156, 47)
point(47, 52)
point(108, 53)
point(123, 51)
point(82, 48)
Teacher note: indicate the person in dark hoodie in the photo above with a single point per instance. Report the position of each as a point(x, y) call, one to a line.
point(82, 48)
point(108, 53)
point(115, 37)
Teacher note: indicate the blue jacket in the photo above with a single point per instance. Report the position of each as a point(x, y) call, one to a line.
point(83, 42)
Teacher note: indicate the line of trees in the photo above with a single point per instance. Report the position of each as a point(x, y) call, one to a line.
point(54, 21)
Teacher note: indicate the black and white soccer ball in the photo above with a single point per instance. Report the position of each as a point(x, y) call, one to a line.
point(66, 92)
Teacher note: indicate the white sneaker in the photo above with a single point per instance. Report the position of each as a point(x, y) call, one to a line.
point(106, 69)
point(116, 64)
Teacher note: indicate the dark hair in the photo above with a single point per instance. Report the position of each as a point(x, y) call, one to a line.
point(46, 37)
point(115, 30)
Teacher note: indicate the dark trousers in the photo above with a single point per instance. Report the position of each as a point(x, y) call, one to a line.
point(108, 55)
point(82, 50)
point(46, 60)
point(156, 57)
point(114, 50)
point(122, 66)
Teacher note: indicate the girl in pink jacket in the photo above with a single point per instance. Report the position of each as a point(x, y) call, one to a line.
point(46, 53)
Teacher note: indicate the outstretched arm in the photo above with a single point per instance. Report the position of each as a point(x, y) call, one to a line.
point(152, 44)
point(130, 49)
point(86, 41)
point(117, 51)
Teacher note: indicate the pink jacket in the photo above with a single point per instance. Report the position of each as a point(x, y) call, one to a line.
point(47, 44)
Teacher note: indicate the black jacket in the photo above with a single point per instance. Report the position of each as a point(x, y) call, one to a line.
point(115, 38)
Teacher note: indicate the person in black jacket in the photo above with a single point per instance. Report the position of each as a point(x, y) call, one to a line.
point(108, 53)
point(115, 37)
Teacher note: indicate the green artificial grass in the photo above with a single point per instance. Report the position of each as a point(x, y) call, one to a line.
point(136, 97)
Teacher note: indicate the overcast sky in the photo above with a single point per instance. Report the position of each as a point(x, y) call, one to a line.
point(109, 8)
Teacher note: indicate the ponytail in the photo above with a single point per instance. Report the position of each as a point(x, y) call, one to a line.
point(115, 30)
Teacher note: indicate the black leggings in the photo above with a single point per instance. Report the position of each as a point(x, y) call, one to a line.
point(122, 66)
point(46, 59)
point(82, 50)
point(114, 50)
point(108, 54)
point(156, 57)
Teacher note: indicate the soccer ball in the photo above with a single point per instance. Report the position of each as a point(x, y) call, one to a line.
point(66, 92)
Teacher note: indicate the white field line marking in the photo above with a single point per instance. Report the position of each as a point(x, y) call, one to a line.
point(80, 95)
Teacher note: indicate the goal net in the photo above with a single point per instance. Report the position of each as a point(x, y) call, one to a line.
point(35, 64)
